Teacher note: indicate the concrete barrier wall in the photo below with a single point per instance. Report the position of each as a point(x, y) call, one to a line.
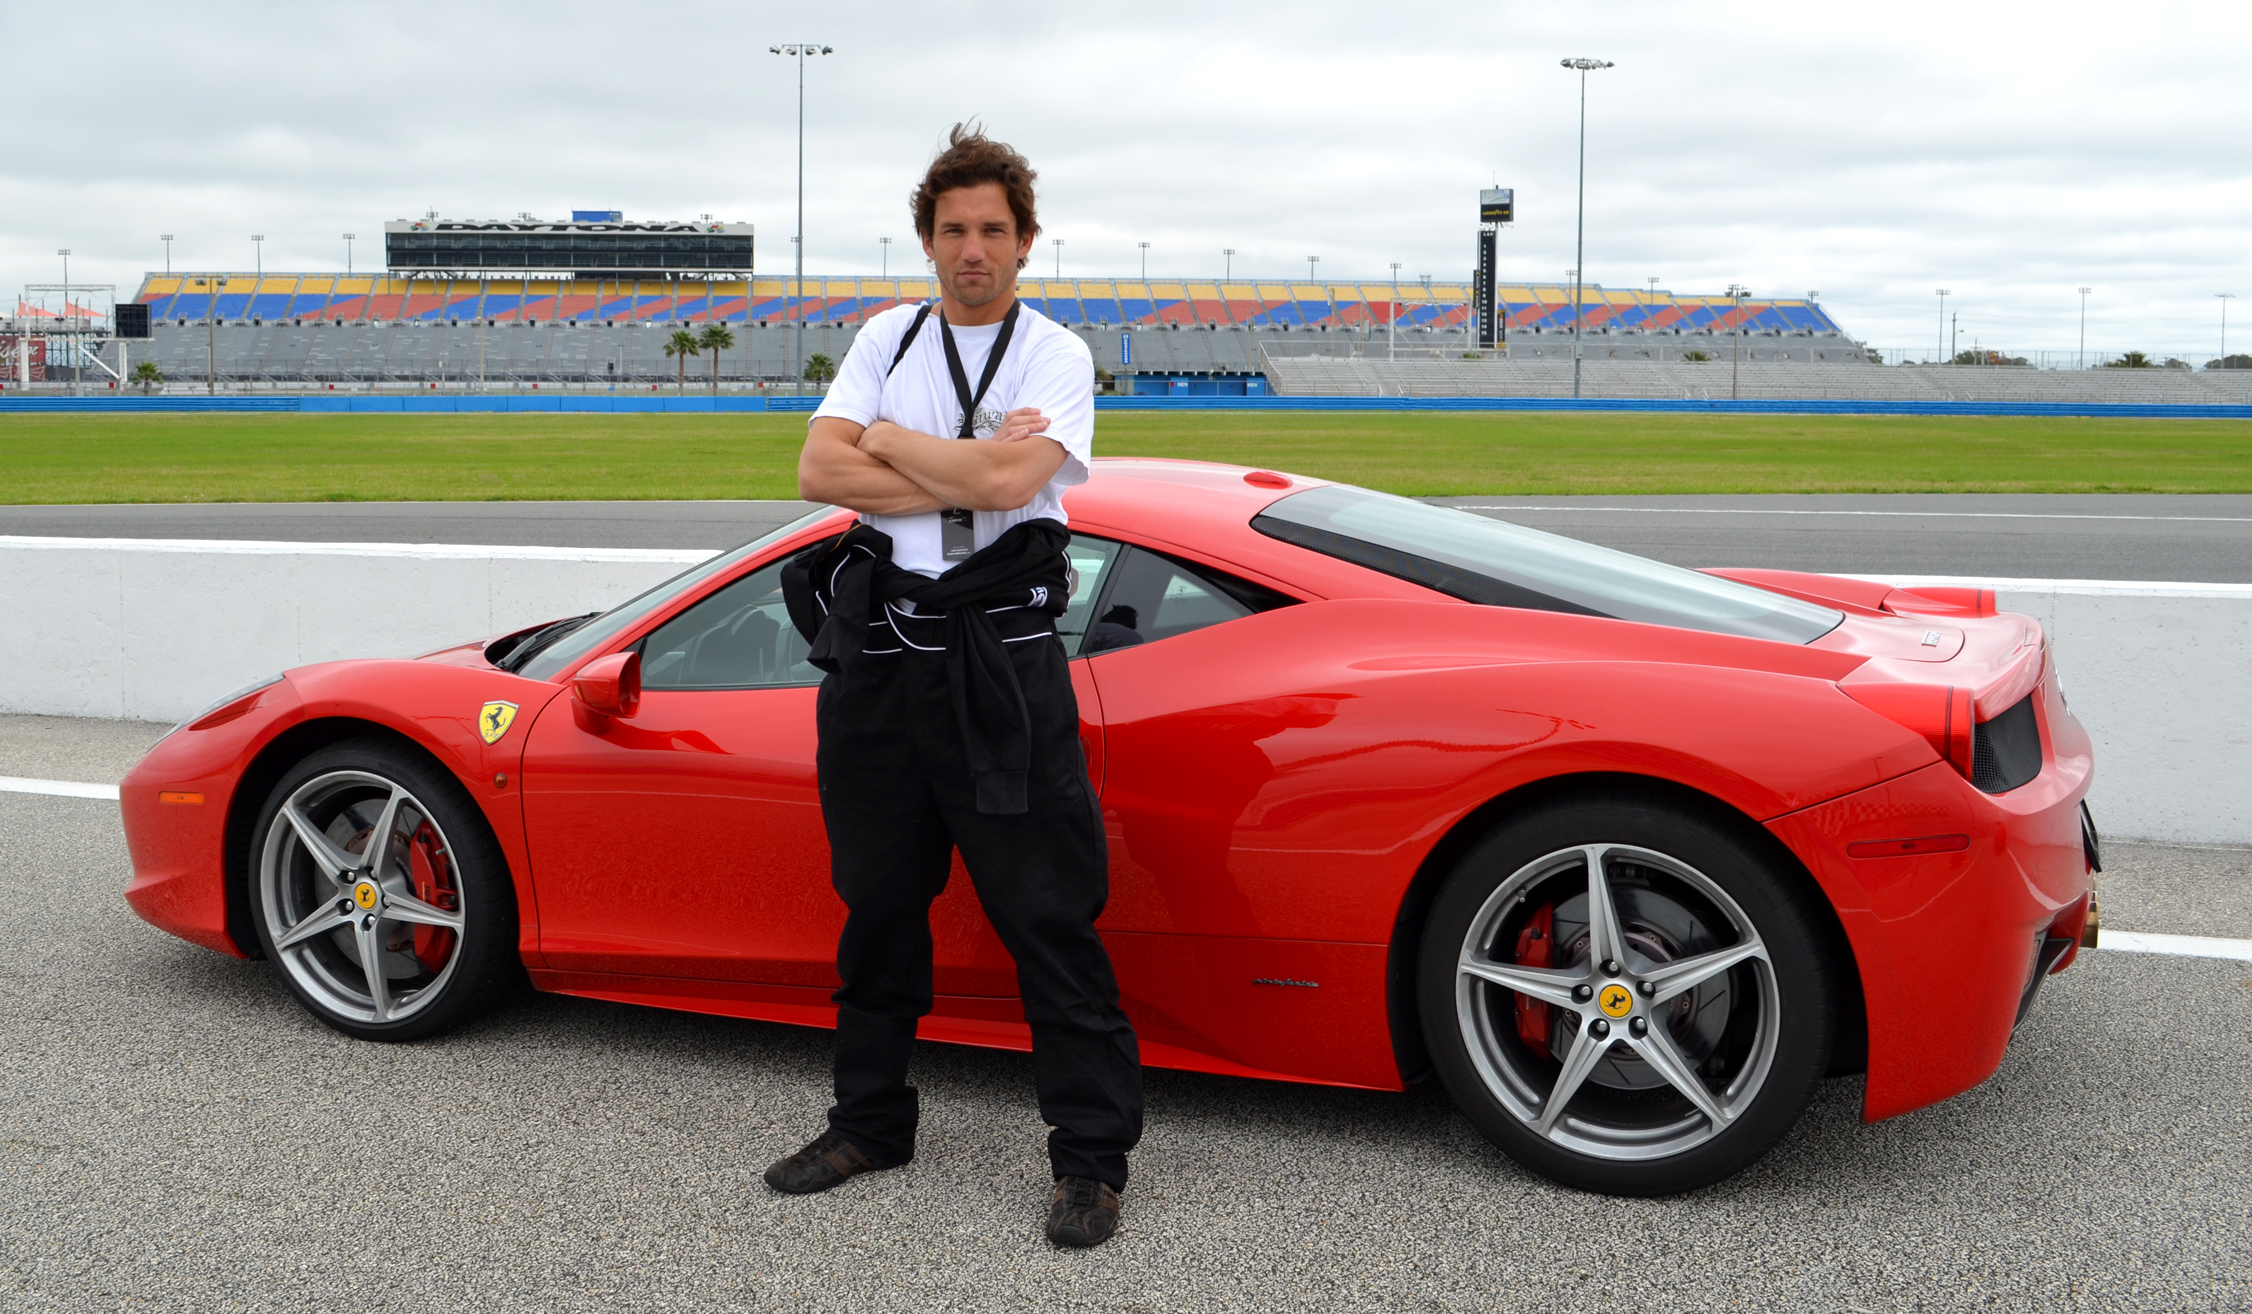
point(155, 629)
point(152, 629)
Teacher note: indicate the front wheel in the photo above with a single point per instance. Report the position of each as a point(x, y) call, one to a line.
point(1625, 996)
point(380, 895)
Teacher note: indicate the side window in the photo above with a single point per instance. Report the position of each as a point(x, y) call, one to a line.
point(738, 638)
point(1090, 568)
point(1152, 597)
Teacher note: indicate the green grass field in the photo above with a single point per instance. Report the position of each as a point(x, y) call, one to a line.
point(288, 458)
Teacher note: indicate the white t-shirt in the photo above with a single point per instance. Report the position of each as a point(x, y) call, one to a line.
point(1046, 366)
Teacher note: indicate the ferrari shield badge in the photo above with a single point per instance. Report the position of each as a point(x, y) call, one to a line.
point(494, 719)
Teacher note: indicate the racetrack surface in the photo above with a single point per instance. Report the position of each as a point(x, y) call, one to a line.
point(2203, 538)
point(179, 1134)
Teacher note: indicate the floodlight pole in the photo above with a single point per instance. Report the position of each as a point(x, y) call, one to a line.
point(167, 240)
point(1736, 294)
point(24, 338)
point(887, 257)
point(211, 332)
point(2225, 297)
point(1145, 260)
point(258, 255)
point(2080, 358)
point(1941, 349)
point(1057, 243)
point(798, 51)
point(1392, 318)
point(1227, 264)
point(1579, 250)
point(348, 257)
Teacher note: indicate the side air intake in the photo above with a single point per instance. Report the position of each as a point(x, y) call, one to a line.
point(2006, 751)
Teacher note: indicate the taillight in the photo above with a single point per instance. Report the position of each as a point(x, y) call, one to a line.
point(1942, 715)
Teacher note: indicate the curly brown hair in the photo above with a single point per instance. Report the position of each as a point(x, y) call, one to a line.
point(972, 158)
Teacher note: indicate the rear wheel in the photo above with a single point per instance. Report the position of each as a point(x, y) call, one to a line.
point(379, 894)
point(1625, 996)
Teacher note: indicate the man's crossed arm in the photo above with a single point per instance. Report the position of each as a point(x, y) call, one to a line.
point(884, 469)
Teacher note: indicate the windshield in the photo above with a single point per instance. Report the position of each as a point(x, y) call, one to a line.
point(607, 626)
point(1504, 565)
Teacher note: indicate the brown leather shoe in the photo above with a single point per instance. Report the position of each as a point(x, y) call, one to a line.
point(825, 1163)
point(1083, 1212)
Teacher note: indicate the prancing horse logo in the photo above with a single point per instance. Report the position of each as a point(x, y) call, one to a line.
point(494, 719)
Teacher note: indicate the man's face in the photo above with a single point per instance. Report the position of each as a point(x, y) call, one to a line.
point(974, 243)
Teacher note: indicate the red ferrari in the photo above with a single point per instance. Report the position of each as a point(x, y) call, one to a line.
point(1629, 856)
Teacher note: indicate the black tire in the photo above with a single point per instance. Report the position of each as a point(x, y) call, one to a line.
point(443, 863)
point(1690, 890)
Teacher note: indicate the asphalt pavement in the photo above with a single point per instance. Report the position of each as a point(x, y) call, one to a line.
point(2195, 538)
point(178, 1134)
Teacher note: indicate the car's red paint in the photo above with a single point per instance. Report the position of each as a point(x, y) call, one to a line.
point(1274, 790)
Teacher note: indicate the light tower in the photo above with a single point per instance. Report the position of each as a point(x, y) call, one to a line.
point(799, 50)
point(1579, 250)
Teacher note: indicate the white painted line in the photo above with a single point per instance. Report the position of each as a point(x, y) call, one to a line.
point(415, 551)
point(59, 788)
point(2182, 946)
point(1791, 511)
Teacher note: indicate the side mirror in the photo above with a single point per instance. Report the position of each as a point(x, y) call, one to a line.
point(610, 686)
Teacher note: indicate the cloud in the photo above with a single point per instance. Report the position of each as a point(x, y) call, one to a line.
point(2009, 152)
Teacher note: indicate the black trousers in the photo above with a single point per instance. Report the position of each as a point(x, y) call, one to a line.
point(897, 798)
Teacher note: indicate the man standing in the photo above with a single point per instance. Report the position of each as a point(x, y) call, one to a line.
point(947, 718)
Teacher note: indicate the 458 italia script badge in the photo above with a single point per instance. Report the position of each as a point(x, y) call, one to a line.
point(494, 719)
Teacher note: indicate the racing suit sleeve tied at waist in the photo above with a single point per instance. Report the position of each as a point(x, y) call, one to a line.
point(838, 591)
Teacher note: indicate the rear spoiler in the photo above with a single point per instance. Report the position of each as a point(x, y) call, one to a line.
point(1866, 596)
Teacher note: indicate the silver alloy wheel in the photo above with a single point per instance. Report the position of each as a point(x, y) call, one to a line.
point(361, 926)
point(1637, 987)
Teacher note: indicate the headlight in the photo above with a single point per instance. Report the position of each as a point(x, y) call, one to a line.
point(214, 706)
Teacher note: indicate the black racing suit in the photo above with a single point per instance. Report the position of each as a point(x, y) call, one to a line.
point(956, 727)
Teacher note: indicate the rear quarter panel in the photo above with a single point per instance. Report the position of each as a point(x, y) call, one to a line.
point(1284, 775)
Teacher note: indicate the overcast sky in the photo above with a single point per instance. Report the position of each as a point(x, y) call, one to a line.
point(2009, 151)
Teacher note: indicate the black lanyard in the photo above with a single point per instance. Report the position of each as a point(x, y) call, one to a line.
point(962, 391)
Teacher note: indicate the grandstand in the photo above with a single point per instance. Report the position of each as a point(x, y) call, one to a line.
point(321, 328)
point(1100, 302)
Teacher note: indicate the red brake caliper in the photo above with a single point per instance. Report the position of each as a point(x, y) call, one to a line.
point(433, 878)
point(1533, 950)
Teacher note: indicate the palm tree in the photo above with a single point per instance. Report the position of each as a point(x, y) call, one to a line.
point(147, 375)
point(819, 368)
point(716, 338)
point(682, 344)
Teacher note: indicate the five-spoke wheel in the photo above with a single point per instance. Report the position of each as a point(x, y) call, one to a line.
point(1626, 996)
point(379, 894)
